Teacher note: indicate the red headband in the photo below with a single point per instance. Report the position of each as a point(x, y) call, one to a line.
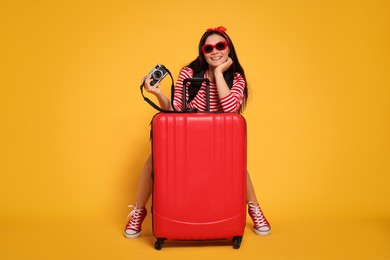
point(220, 29)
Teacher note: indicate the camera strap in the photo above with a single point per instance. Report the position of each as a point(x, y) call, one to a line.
point(150, 102)
point(196, 82)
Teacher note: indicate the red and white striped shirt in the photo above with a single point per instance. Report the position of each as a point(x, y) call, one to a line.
point(230, 103)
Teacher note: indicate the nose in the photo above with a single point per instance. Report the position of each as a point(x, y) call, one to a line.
point(214, 50)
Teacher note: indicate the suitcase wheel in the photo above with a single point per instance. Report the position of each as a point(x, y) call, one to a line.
point(237, 242)
point(159, 243)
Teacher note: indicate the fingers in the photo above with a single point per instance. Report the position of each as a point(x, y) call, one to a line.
point(147, 84)
point(225, 65)
point(147, 77)
point(146, 81)
point(229, 61)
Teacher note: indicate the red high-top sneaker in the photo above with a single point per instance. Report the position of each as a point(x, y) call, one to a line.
point(133, 227)
point(261, 225)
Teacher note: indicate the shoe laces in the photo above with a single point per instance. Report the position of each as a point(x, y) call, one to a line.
point(257, 215)
point(135, 217)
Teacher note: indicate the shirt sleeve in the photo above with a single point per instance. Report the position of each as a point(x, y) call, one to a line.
point(185, 73)
point(233, 101)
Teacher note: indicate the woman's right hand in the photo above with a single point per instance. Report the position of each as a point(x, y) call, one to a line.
point(155, 90)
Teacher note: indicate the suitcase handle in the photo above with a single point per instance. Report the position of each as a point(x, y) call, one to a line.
point(196, 80)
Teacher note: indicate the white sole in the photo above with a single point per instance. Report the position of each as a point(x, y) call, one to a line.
point(131, 236)
point(262, 233)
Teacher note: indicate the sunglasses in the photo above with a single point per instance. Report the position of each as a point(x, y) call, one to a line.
point(207, 48)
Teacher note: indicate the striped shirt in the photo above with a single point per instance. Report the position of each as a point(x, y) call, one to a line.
point(230, 103)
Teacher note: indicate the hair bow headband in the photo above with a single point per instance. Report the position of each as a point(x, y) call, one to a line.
point(220, 29)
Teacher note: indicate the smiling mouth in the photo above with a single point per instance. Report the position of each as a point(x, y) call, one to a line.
point(216, 58)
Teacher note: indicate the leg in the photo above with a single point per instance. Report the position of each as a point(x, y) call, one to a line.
point(144, 189)
point(261, 225)
point(250, 191)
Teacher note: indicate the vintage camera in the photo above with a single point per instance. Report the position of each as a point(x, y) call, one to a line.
point(158, 73)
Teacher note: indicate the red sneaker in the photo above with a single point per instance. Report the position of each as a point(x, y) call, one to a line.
point(261, 225)
point(136, 217)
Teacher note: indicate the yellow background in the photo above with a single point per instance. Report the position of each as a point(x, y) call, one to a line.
point(75, 130)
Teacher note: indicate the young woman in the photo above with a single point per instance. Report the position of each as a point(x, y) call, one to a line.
point(217, 61)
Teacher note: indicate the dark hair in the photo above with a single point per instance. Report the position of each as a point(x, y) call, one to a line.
point(200, 63)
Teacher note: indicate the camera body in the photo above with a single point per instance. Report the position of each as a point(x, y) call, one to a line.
point(158, 73)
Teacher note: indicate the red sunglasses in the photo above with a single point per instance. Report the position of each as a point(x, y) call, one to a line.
point(207, 48)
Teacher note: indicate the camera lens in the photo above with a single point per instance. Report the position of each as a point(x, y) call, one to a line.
point(157, 74)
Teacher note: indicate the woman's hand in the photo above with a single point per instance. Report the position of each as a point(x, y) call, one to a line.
point(222, 87)
point(221, 68)
point(155, 90)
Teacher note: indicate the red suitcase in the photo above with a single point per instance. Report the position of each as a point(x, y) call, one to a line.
point(199, 173)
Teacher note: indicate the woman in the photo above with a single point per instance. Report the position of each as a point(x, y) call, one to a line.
point(218, 62)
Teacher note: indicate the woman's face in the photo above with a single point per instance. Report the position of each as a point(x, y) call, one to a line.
point(216, 56)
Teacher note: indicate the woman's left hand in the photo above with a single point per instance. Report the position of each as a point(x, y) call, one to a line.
point(224, 66)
